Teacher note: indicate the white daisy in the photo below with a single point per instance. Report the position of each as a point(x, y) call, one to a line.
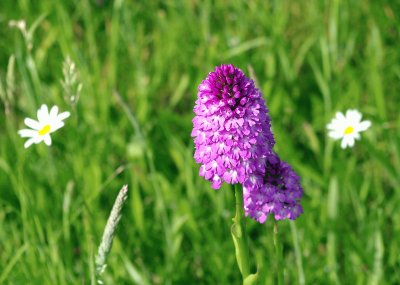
point(47, 123)
point(347, 127)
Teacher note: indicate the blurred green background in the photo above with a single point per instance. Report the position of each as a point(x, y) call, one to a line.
point(140, 63)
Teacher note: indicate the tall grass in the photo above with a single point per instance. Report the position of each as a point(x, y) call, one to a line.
point(140, 63)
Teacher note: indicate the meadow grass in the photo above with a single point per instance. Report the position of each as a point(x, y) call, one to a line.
point(140, 63)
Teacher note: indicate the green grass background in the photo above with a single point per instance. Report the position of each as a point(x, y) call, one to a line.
point(309, 58)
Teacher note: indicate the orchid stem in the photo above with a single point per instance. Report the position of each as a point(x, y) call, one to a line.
point(278, 252)
point(239, 236)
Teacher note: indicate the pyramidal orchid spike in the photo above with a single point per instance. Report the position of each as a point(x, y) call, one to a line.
point(231, 129)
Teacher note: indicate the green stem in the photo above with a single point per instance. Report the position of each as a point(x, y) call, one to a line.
point(238, 231)
point(278, 252)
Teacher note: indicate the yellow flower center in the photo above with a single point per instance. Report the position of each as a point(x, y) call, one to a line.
point(348, 130)
point(44, 130)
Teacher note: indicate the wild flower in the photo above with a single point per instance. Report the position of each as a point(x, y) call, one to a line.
point(277, 192)
point(233, 144)
point(47, 123)
point(347, 127)
point(231, 128)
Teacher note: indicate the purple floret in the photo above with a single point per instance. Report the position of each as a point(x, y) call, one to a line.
point(231, 129)
point(276, 192)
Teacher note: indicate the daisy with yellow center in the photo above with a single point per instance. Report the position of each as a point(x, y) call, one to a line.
point(47, 123)
point(347, 127)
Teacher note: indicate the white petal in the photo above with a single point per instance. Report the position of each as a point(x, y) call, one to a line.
point(57, 125)
point(29, 142)
point(350, 141)
point(47, 139)
point(332, 125)
point(38, 139)
point(53, 113)
point(27, 133)
point(353, 116)
point(335, 134)
point(32, 124)
point(343, 144)
point(347, 141)
point(338, 122)
point(43, 114)
point(340, 117)
point(338, 127)
point(63, 116)
point(364, 125)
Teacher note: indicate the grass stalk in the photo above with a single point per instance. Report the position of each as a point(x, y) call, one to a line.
point(109, 232)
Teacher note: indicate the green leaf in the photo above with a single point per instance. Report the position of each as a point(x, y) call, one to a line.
point(251, 279)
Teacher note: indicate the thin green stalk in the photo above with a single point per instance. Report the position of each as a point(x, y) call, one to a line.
point(278, 252)
point(238, 231)
point(297, 252)
point(333, 200)
point(109, 232)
